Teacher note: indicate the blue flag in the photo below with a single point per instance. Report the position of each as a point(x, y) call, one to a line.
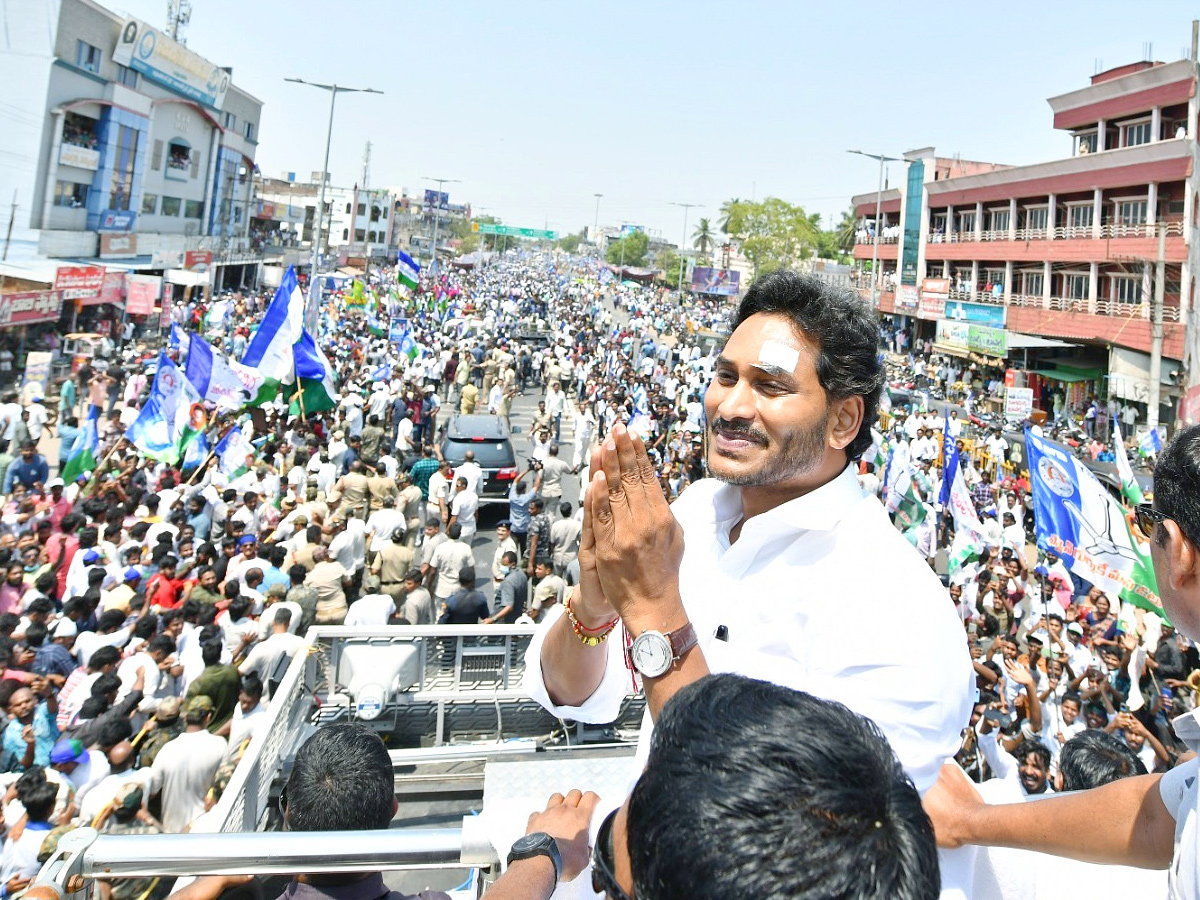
point(1150, 442)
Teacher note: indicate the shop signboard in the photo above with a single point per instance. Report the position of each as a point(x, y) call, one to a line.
point(30, 307)
point(112, 291)
point(198, 260)
point(79, 157)
point(37, 373)
point(118, 246)
point(166, 259)
point(1018, 403)
point(980, 339)
point(116, 220)
point(77, 282)
point(145, 49)
point(934, 293)
point(723, 282)
point(142, 294)
point(907, 297)
point(983, 313)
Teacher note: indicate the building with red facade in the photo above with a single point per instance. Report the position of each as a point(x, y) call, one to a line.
point(1048, 270)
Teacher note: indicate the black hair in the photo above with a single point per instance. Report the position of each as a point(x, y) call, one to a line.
point(35, 635)
point(210, 652)
point(466, 577)
point(842, 324)
point(1095, 757)
point(792, 796)
point(283, 616)
point(1177, 485)
point(105, 684)
point(454, 532)
point(37, 795)
point(1036, 747)
point(103, 656)
point(146, 627)
point(252, 684)
point(162, 643)
point(342, 780)
point(113, 730)
point(41, 606)
point(297, 573)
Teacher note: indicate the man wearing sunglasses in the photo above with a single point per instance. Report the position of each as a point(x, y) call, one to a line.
point(1151, 821)
point(792, 797)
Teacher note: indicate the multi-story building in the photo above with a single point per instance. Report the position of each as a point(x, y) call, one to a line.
point(1049, 269)
point(128, 132)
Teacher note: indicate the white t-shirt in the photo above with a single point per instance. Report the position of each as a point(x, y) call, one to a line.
point(370, 610)
point(465, 505)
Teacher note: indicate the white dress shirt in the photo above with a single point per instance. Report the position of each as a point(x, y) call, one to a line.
point(814, 594)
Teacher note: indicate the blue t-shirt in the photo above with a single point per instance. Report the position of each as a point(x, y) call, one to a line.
point(518, 509)
point(45, 733)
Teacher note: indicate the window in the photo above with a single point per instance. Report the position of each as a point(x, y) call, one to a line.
point(1031, 284)
point(1075, 287)
point(1131, 212)
point(1086, 143)
point(372, 237)
point(374, 213)
point(127, 76)
point(991, 278)
point(125, 153)
point(230, 121)
point(249, 131)
point(171, 206)
point(179, 159)
point(1036, 218)
point(966, 221)
point(1127, 288)
point(345, 234)
point(149, 204)
point(362, 209)
point(80, 131)
point(70, 194)
point(1080, 215)
point(193, 209)
point(359, 235)
point(1135, 133)
point(347, 209)
point(87, 57)
point(997, 220)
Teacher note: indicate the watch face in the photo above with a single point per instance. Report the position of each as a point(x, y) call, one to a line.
point(651, 654)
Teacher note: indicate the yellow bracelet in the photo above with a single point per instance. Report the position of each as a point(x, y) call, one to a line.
point(596, 637)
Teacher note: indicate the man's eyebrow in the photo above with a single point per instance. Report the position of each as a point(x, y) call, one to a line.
point(766, 368)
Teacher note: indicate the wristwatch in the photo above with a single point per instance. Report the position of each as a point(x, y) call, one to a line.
point(653, 653)
point(537, 844)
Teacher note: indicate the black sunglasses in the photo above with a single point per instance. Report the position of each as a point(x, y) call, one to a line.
point(1148, 518)
point(604, 877)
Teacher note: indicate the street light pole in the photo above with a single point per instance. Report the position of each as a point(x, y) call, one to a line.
point(683, 243)
point(437, 217)
point(878, 227)
point(596, 224)
point(310, 312)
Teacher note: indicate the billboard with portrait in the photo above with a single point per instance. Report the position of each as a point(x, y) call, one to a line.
point(708, 280)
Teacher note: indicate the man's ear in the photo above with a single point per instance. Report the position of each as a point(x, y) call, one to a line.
point(1181, 555)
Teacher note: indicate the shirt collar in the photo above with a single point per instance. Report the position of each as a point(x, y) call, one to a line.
point(1187, 727)
point(818, 510)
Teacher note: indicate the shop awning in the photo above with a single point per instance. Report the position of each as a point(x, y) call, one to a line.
point(960, 352)
point(1018, 341)
point(1069, 377)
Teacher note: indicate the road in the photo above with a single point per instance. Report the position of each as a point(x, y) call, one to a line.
point(484, 543)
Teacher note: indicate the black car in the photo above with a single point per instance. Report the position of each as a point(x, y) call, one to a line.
point(488, 438)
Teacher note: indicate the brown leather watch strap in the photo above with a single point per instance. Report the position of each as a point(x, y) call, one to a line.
point(682, 640)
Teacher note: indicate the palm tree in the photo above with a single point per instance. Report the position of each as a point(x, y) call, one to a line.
point(846, 231)
point(727, 213)
point(704, 239)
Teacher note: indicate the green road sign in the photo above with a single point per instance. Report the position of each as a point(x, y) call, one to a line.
point(511, 231)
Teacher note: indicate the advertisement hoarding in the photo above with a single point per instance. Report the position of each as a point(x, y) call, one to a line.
point(36, 379)
point(983, 313)
point(722, 282)
point(77, 282)
point(1018, 403)
point(79, 157)
point(972, 338)
point(934, 294)
point(30, 307)
point(907, 297)
point(145, 49)
point(118, 246)
point(116, 220)
point(437, 200)
point(197, 260)
point(112, 291)
point(142, 294)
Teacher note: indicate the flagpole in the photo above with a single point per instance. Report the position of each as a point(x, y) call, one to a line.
point(300, 396)
point(203, 465)
point(96, 474)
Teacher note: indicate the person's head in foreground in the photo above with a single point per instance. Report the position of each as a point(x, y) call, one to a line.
point(792, 796)
point(1173, 523)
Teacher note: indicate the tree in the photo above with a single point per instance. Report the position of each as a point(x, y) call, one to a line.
point(727, 210)
point(669, 264)
point(570, 243)
point(846, 231)
point(704, 240)
point(772, 233)
point(630, 249)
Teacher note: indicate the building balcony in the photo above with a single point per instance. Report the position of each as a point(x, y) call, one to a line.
point(1076, 244)
point(1124, 324)
point(888, 250)
point(1099, 307)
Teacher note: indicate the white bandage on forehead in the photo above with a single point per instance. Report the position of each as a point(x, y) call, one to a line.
point(775, 355)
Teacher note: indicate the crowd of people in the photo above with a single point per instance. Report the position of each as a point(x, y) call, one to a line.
point(148, 610)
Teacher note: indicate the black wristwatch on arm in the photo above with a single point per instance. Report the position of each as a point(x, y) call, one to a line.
point(537, 844)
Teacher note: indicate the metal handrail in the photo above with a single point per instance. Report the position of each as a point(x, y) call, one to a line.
point(87, 854)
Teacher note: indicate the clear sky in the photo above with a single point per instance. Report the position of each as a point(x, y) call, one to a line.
point(536, 106)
